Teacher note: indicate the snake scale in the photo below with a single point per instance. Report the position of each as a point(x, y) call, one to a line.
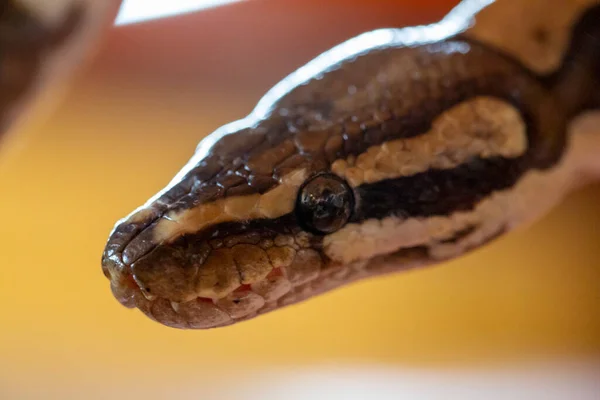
point(397, 149)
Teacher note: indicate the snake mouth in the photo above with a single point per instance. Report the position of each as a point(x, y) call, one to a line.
point(282, 286)
point(215, 277)
point(245, 302)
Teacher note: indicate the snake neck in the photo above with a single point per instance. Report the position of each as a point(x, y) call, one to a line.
point(577, 82)
point(577, 86)
point(561, 45)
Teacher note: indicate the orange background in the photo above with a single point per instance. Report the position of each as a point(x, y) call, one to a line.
point(133, 118)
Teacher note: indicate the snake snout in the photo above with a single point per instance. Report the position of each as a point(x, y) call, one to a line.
point(219, 275)
point(115, 265)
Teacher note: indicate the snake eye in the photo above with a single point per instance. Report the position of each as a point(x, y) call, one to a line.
point(324, 204)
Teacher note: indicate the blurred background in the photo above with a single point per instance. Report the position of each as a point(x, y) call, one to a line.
point(521, 314)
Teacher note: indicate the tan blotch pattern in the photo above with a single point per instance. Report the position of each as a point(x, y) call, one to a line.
point(272, 204)
point(531, 197)
point(483, 127)
point(537, 32)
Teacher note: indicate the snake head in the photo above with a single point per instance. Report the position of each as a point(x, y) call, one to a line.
point(270, 216)
point(239, 233)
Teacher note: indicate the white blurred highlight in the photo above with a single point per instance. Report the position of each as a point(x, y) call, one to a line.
point(558, 380)
point(133, 11)
point(548, 382)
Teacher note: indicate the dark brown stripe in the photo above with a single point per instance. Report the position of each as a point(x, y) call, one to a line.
point(577, 82)
point(438, 192)
point(194, 244)
point(190, 250)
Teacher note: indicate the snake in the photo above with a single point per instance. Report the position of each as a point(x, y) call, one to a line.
point(395, 150)
point(398, 149)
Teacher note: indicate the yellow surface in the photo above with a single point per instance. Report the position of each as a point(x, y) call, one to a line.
point(534, 294)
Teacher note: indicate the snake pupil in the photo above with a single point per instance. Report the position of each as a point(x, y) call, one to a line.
point(324, 204)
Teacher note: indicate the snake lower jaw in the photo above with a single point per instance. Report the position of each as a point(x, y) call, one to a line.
point(280, 288)
point(244, 303)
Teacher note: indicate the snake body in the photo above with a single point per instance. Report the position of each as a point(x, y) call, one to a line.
point(397, 149)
